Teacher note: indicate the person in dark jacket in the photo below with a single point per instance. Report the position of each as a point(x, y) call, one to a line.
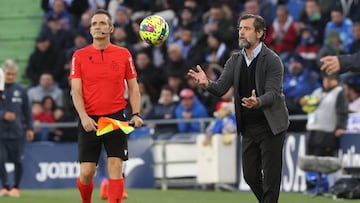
point(256, 74)
point(164, 109)
point(45, 59)
point(15, 119)
point(298, 81)
point(341, 63)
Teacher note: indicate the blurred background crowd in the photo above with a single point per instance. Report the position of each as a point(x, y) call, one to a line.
point(201, 32)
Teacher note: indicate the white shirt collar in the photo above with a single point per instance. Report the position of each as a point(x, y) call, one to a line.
point(254, 54)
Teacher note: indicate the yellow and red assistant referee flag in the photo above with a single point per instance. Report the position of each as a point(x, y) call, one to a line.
point(106, 125)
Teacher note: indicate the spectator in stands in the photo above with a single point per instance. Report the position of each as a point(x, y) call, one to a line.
point(190, 51)
point(140, 45)
point(183, 21)
point(153, 78)
point(49, 105)
point(308, 48)
point(196, 8)
point(325, 7)
point(68, 106)
point(189, 108)
point(119, 38)
point(122, 19)
point(63, 134)
point(216, 51)
point(41, 117)
point(327, 109)
point(60, 39)
point(46, 87)
point(145, 102)
point(84, 26)
point(228, 10)
point(298, 81)
point(177, 82)
point(46, 5)
point(97, 4)
point(79, 42)
point(341, 25)
point(332, 46)
point(59, 10)
point(76, 8)
point(45, 59)
point(352, 89)
point(260, 7)
point(313, 18)
point(354, 13)
point(217, 23)
point(355, 45)
point(159, 55)
point(164, 109)
point(46, 115)
point(350, 9)
point(15, 119)
point(67, 113)
point(184, 37)
point(251, 7)
point(136, 5)
point(175, 62)
point(282, 34)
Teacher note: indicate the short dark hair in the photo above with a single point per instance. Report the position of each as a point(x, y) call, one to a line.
point(353, 82)
point(102, 11)
point(259, 23)
point(337, 9)
point(168, 88)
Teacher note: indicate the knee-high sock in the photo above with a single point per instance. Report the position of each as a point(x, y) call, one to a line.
point(85, 191)
point(116, 190)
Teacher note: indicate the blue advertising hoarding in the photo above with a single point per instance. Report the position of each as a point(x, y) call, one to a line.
point(54, 165)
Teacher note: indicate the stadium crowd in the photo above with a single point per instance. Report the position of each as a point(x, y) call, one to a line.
point(201, 32)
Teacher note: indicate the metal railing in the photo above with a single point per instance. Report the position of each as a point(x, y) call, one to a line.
point(202, 121)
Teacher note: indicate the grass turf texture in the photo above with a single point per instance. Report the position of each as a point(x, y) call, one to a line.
point(158, 196)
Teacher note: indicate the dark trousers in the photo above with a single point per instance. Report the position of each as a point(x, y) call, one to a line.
point(262, 162)
point(322, 144)
point(11, 150)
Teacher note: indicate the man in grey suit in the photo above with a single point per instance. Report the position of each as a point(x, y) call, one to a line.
point(256, 73)
point(342, 63)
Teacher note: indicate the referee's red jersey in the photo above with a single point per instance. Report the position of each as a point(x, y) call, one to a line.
point(103, 74)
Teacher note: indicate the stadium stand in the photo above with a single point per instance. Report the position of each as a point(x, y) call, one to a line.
point(20, 21)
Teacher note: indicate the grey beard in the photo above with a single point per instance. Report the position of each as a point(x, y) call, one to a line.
point(245, 44)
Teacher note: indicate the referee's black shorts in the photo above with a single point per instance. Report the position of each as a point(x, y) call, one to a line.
point(115, 143)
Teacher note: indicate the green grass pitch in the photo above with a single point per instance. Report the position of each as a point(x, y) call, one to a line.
point(159, 196)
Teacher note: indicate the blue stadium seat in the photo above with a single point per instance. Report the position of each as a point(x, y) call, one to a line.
point(295, 7)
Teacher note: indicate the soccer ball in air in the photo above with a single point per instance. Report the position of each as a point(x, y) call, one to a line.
point(154, 30)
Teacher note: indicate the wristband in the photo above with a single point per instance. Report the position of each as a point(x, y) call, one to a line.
point(136, 114)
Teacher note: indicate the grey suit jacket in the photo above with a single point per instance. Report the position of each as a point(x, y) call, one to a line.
point(350, 62)
point(268, 80)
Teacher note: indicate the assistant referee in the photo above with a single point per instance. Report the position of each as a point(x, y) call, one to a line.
point(98, 76)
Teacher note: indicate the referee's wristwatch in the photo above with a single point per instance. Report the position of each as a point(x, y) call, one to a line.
point(136, 114)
